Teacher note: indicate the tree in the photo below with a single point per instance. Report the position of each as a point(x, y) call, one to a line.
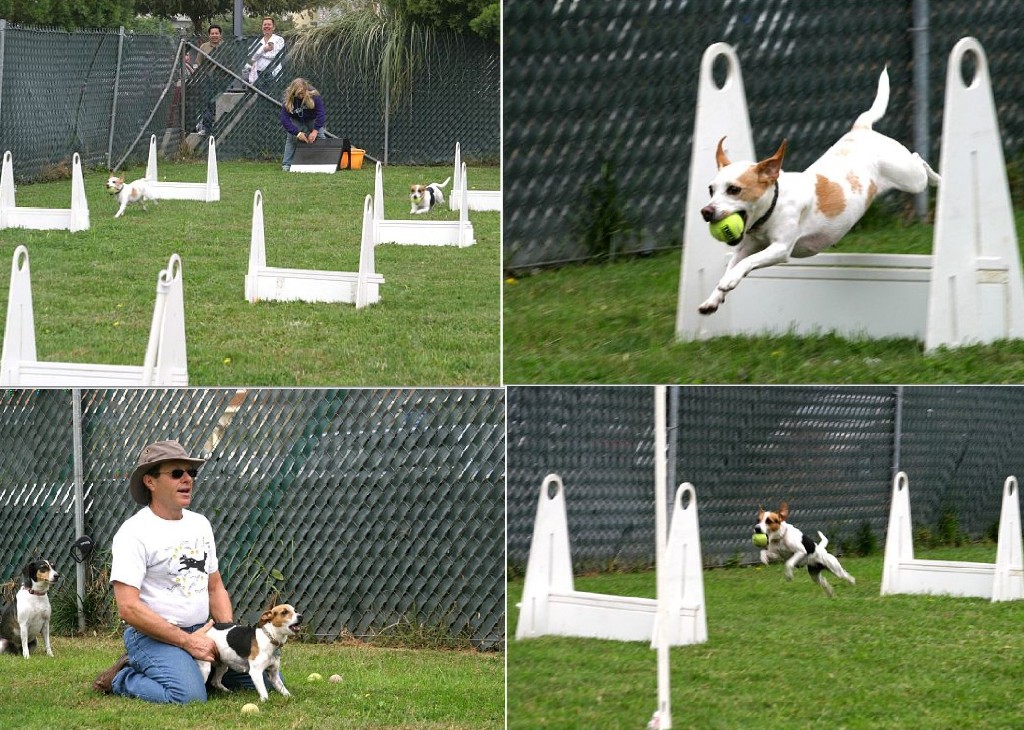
point(482, 17)
point(67, 14)
point(201, 12)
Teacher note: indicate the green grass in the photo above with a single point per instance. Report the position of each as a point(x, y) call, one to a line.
point(615, 323)
point(783, 655)
point(438, 322)
point(380, 688)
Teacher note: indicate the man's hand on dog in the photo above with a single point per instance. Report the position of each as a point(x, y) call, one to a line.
point(201, 646)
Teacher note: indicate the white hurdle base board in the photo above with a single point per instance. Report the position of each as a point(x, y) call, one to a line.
point(327, 169)
point(856, 295)
point(43, 374)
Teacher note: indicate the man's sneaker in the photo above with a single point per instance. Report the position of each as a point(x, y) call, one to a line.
point(104, 682)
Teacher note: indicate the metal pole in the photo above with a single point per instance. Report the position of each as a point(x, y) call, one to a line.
point(387, 119)
point(673, 431)
point(113, 104)
point(236, 22)
point(3, 35)
point(922, 138)
point(76, 409)
point(897, 436)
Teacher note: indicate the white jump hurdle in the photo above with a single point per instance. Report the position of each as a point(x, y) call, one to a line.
point(551, 605)
point(968, 291)
point(207, 192)
point(268, 283)
point(482, 200)
point(999, 581)
point(75, 218)
point(423, 233)
point(164, 364)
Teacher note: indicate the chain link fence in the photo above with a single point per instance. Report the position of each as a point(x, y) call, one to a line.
point(600, 98)
point(369, 509)
point(831, 452)
point(104, 93)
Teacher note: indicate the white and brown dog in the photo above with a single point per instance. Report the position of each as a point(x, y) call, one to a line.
point(425, 197)
point(786, 542)
point(802, 213)
point(29, 615)
point(128, 193)
point(253, 649)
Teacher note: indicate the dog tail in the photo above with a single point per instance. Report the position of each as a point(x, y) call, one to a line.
point(823, 541)
point(446, 181)
point(880, 104)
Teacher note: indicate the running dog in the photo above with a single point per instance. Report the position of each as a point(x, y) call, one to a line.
point(425, 197)
point(800, 214)
point(128, 193)
point(253, 649)
point(29, 615)
point(786, 542)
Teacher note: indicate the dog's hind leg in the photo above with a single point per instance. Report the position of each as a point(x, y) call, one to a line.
point(817, 573)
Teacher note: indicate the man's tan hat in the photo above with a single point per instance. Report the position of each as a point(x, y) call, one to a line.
point(152, 455)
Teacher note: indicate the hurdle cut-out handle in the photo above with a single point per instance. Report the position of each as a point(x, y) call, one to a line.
point(686, 496)
point(899, 482)
point(545, 488)
point(1010, 486)
point(965, 47)
point(707, 66)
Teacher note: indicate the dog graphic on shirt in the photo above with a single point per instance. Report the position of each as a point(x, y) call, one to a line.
point(191, 576)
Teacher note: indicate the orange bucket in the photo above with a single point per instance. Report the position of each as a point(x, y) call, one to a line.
point(357, 159)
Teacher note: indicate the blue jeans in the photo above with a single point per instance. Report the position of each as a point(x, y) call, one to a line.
point(159, 672)
point(289, 144)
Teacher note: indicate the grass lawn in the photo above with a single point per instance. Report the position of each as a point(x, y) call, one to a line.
point(438, 321)
point(784, 655)
point(380, 688)
point(615, 323)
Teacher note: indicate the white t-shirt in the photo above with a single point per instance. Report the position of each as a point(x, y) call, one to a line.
point(169, 561)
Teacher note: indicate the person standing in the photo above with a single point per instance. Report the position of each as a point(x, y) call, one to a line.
point(264, 50)
point(216, 35)
point(302, 116)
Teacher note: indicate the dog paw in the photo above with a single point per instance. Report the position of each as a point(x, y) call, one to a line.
point(789, 575)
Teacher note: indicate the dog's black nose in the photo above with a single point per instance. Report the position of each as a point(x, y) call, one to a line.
point(707, 213)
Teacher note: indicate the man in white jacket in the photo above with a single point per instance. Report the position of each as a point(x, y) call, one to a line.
point(264, 51)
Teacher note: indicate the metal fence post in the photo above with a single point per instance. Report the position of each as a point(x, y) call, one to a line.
point(76, 411)
point(113, 102)
point(897, 431)
point(3, 35)
point(922, 138)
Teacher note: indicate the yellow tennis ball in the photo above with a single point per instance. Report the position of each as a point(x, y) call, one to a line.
point(314, 677)
point(250, 709)
point(760, 539)
point(729, 229)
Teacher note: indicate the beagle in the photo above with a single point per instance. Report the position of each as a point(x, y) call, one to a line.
point(425, 197)
point(786, 542)
point(253, 649)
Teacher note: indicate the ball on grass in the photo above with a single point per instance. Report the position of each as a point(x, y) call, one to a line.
point(759, 539)
point(335, 678)
point(250, 709)
point(729, 229)
point(314, 677)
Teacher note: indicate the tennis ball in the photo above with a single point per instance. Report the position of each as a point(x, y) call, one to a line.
point(729, 229)
point(335, 678)
point(759, 539)
point(314, 677)
point(250, 709)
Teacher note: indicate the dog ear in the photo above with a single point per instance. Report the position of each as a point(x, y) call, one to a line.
point(769, 168)
point(266, 617)
point(784, 511)
point(720, 157)
point(30, 568)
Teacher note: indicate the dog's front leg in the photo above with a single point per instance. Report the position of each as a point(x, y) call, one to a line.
point(256, 673)
point(23, 631)
point(794, 560)
point(273, 675)
point(46, 638)
point(742, 263)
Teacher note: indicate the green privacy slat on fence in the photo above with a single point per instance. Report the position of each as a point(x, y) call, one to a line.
point(829, 451)
point(365, 507)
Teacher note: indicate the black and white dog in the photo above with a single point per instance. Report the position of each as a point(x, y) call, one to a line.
point(29, 615)
point(786, 542)
point(253, 649)
point(425, 197)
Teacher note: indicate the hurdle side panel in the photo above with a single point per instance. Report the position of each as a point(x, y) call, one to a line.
point(974, 216)
point(687, 613)
point(1009, 572)
point(899, 536)
point(549, 566)
point(19, 328)
point(720, 112)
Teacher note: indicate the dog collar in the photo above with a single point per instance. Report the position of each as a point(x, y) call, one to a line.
point(273, 641)
point(771, 209)
point(34, 592)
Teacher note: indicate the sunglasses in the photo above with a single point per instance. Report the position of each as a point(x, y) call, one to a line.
point(179, 473)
